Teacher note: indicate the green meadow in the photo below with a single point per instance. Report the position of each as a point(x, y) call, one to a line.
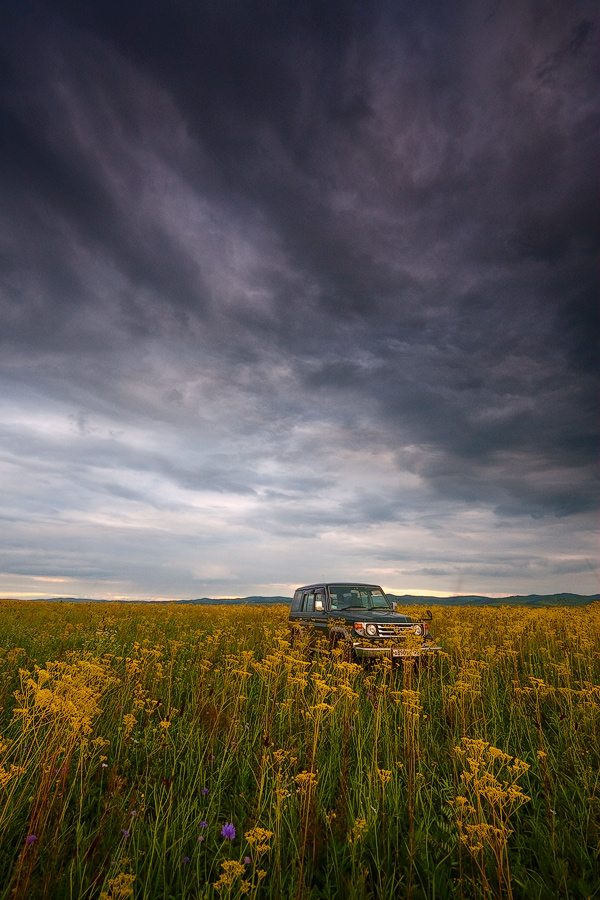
point(191, 752)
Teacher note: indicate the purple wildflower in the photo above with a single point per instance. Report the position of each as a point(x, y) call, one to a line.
point(205, 791)
point(203, 824)
point(201, 838)
point(228, 831)
point(124, 832)
point(247, 860)
point(186, 859)
point(133, 813)
point(30, 839)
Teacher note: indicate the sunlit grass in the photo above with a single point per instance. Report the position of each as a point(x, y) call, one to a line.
point(191, 752)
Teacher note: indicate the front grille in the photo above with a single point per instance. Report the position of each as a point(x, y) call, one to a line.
point(392, 631)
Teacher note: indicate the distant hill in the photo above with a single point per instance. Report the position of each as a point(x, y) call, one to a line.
point(201, 601)
point(529, 600)
point(62, 599)
point(237, 601)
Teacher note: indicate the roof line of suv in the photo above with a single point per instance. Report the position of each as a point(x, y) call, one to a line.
point(308, 587)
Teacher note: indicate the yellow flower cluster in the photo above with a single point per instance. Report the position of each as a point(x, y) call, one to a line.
point(259, 839)
point(490, 797)
point(63, 694)
point(306, 781)
point(119, 888)
point(12, 772)
point(231, 870)
point(358, 831)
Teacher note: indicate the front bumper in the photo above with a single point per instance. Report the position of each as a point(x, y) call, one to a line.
point(393, 652)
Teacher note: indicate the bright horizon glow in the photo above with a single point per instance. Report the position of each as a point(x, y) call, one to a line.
point(23, 595)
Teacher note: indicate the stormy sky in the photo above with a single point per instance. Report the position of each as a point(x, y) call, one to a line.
point(298, 290)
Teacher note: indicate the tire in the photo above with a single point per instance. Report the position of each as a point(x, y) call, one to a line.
point(295, 636)
point(347, 652)
point(337, 642)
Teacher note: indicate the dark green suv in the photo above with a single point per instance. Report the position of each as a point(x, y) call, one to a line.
point(360, 618)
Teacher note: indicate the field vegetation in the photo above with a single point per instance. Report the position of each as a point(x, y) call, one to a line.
point(191, 752)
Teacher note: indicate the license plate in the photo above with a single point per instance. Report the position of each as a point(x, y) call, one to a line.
point(396, 652)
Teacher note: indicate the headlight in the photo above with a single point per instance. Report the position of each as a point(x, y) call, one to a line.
point(371, 630)
point(418, 629)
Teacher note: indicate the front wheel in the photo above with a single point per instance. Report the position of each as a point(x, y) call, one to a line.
point(337, 642)
point(295, 636)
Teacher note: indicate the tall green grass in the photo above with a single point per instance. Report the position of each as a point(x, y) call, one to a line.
point(132, 735)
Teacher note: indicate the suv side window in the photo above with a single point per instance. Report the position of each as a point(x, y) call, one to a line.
point(308, 602)
point(319, 601)
point(297, 601)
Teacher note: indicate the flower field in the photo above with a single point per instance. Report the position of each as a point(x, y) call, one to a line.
point(191, 752)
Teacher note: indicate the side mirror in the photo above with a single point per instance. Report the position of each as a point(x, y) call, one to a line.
point(429, 616)
point(394, 605)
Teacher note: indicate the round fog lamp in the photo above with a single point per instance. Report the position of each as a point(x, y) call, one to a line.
point(371, 630)
point(418, 629)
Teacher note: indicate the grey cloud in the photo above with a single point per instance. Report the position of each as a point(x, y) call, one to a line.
point(271, 242)
point(111, 455)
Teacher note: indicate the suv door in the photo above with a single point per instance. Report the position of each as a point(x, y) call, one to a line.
point(313, 613)
point(321, 618)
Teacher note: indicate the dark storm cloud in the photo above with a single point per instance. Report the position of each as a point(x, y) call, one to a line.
point(339, 251)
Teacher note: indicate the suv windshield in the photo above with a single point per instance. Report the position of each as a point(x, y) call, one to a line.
point(357, 596)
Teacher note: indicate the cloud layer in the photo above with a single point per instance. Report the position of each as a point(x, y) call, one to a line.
point(298, 295)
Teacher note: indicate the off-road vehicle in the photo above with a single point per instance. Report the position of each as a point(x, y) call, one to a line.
point(360, 619)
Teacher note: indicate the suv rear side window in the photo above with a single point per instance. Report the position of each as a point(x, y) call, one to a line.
point(308, 601)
